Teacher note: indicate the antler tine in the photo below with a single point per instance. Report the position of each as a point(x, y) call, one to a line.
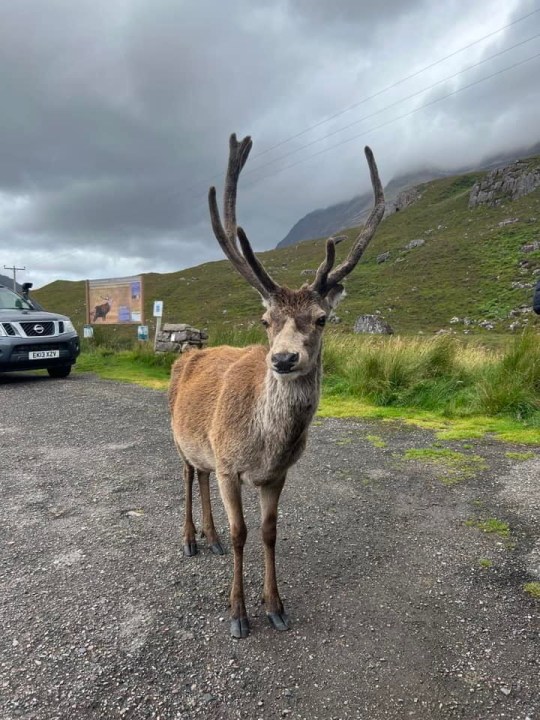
point(247, 265)
point(367, 232)
point(230, 250)
point(254, 263)
point(319, 283)
point(238, 155)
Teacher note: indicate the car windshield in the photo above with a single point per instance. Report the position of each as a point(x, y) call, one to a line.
point(11, 301)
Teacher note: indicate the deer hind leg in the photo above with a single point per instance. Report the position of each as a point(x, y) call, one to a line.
point(209, 530)
point(190, 544)
point(231, 494)
point(269, 497)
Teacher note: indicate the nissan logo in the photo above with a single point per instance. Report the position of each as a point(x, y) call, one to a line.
point(38, 329)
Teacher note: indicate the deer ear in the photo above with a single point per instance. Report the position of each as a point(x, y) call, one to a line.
point(335, 296)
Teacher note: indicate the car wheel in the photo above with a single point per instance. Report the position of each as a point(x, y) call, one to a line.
point(61, 371)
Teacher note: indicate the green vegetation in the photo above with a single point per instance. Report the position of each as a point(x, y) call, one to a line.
point(465, 269)
point(140, 365)
point(532, 589)
point(485, 563)
point(460, 391)
point(491, 526)
point(452, 466)
point(376, 441)
point(521, 456)
point(471, 264)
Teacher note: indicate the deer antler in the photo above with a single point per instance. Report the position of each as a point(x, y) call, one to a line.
point(245, 263)
point(321, 277)
point(326, 278)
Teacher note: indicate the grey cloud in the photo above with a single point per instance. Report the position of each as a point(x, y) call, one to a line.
point(115, 115)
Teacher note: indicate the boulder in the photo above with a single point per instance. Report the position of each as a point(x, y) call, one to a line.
point(415, 243)
point(372, 324)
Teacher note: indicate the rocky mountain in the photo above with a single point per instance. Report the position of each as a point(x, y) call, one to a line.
point(353, 212)
point(399, 192)
point(438, 266)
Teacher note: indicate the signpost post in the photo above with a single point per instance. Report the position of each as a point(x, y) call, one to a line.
point(158, 314)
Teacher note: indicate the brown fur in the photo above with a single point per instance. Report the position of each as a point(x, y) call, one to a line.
point(233, 414)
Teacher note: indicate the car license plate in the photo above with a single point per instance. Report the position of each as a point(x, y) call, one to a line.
point(43, 354)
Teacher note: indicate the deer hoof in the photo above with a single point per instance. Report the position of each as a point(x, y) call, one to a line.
point(279, 621)
point(190, 549)
point(240, 628)
point(217, 548)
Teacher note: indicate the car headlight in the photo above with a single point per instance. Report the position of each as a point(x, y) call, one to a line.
point(68, 326)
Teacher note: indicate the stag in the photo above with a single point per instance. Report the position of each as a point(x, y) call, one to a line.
point(244, 413)
point(101, 311)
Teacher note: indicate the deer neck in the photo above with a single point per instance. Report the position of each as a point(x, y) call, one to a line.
point(287, 406)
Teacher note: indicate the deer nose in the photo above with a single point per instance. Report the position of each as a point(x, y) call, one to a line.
point(284, 362)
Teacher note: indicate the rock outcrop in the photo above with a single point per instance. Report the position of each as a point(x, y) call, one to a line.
point(402, 200)
point(507, 183)
point(179, 337)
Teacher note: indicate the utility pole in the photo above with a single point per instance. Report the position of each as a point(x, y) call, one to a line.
point(14, 275)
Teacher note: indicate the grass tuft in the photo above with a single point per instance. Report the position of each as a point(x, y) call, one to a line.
point(532, 589)
point(491, 526)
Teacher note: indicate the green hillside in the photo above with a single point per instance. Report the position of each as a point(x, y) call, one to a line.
point(466, 268)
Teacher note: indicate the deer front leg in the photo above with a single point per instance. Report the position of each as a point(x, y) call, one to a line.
point(209, 530)
point(269, 497)
point(190, 545)
point(231, 493)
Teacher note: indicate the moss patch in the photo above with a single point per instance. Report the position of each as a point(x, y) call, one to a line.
point(532, 589)
point(469, 428)
point(485, 563)
point(491, 526)
point(451, 466)
point(376, 441)
point(522, 456)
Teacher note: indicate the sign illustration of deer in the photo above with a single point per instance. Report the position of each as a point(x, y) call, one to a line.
point(245, 412)
point(101, 311)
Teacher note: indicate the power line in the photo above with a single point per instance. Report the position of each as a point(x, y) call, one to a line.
point(388, 107)
point(393, 85)
point(402, 80)
point(400, 117)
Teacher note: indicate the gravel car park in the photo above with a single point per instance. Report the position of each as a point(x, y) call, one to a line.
point(32, 339)
point(401, 606)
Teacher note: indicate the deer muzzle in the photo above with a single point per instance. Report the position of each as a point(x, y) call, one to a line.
point(284, 362)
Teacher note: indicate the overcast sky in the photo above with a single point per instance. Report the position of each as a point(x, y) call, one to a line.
point(115, 115)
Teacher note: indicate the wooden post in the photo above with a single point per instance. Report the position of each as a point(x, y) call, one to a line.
point(88, 302)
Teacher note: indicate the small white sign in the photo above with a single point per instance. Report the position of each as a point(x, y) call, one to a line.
point(158, 308)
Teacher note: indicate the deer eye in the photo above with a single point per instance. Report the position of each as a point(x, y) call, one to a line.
point(265, 322)
point(321, 321)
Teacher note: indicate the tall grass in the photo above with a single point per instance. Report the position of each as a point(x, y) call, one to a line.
point(439, 374)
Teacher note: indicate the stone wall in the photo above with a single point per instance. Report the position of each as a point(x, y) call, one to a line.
point(179, 338)
point(507, 183)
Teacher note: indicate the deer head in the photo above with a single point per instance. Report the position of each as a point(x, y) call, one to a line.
point(294, 319)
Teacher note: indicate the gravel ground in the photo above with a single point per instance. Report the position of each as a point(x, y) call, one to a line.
point(399, 609)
